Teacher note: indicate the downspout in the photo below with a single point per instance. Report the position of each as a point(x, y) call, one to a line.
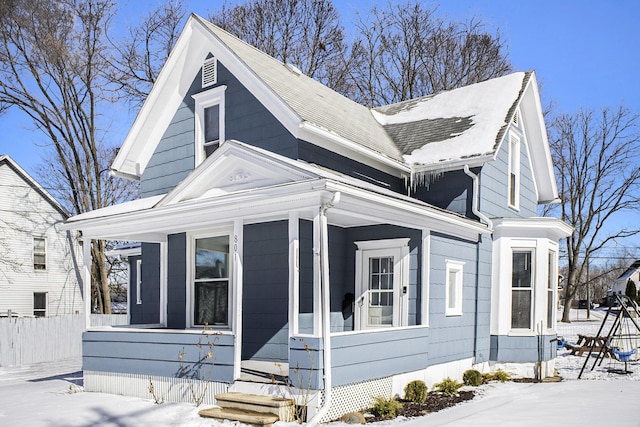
point(326, 309)
point(483, 217)
point(476, 197)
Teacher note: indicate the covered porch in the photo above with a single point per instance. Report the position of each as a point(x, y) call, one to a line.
point(274, 263)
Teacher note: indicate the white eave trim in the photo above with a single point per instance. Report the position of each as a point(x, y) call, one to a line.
point(552, 228)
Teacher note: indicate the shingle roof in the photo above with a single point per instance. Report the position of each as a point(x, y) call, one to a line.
point(462, 123)
point(312, 101)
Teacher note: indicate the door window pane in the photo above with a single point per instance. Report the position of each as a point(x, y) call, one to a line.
point(380, 291)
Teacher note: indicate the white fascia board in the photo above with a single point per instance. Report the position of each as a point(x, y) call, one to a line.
point(536, 227)
point(340, 145)
point(412, 214)
point(202, 214)
point(544, 175)
point(458, 164)
point(167, 92)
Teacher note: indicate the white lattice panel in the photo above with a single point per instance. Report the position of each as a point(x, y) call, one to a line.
point(357, 396)
point(165, 388)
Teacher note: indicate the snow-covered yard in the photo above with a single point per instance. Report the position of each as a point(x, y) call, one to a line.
point(48, 395)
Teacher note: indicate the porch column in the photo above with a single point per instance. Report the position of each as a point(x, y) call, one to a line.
point(86, 280)
point(317, 273)
point(236, 280)
point(294, 272)
point(163, 283)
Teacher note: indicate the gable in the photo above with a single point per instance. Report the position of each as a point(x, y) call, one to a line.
point(233, 168)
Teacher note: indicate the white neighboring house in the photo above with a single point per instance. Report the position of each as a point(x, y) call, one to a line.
point(631, 273)
point(38, 275)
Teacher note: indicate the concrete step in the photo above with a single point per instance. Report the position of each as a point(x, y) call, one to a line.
point(248, 417)
point(278, 406)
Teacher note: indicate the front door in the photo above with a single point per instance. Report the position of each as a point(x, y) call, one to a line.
point(382, 288)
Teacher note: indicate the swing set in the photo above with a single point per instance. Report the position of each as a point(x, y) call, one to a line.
point(622, 341)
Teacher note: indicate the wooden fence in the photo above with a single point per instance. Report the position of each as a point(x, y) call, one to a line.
point(24, 341)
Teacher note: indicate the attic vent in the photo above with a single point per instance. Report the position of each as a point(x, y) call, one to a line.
point(516, 118)
point(209, 72)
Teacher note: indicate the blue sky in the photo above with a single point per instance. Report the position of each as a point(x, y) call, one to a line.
point(584, 52)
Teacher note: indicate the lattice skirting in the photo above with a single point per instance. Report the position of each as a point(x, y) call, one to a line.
point(357, 396)
point(164, 388)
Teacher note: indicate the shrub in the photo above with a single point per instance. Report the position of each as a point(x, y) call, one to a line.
point(385, 408)
point(416, 391)
point(498, 375)
point(448, 386)
point(472, 377)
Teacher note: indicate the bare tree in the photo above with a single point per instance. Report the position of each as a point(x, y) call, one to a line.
point(405, 51)
point(51, 64)
point(136, 60)
point(304, 33)
point(596, 160)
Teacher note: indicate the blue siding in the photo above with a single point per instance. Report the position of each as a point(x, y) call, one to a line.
point(158, 353)
point(246, 120)
point(266, 292)
point(177, 281)
point(523, 349)
point(452, 191)
point(149, 310)
point(452, 337)
point(494, 186)
point(314, 154)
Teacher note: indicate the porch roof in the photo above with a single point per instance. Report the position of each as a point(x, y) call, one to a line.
point(242, 181)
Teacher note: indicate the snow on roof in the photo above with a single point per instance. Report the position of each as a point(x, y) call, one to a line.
point(456, 124)
point(629, 272)
point(126, 207)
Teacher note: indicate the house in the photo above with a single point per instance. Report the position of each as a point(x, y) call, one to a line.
point(356, 249)
point(38, 260)
point(620, 284)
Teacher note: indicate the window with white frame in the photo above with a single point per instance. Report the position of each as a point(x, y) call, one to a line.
point(522, 288)
point(211, 266)
point(552, 278)
point(514, 171)
point(139, 281)
point(39, 253)
point(40, 304)
point(453, 288)
point(209, 122)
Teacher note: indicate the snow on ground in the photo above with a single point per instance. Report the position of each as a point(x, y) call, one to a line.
point(49, 395)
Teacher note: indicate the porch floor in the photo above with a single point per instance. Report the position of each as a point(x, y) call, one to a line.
point(258, 371)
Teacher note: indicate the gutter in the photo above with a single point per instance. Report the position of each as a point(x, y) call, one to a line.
point(326, 310)
point(476, 197)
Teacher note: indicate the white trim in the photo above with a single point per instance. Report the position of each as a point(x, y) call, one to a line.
point(236, 285)
point(317, 272)
point(191, 246)
point(138, 280)
point(294, 272)
point(399, 249)
point(515, 158)
point(86, 281)
point(425, 277)
point(457, 267)
point(164, 258)
point(204, 100)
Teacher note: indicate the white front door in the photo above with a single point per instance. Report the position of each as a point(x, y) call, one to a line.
point(382, 284)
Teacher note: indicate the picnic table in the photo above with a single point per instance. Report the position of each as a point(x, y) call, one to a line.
point(584, 345)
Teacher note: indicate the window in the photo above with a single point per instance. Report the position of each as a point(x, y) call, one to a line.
point(381, 283)
point(551, 287)
point(39, 304)
point(521, 289)
point(209, 122)
point(453, 288)
point(39, 253)
point(514, 171)
point(211, 281)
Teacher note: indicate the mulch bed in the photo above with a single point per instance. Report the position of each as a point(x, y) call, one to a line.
point(435, 402)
